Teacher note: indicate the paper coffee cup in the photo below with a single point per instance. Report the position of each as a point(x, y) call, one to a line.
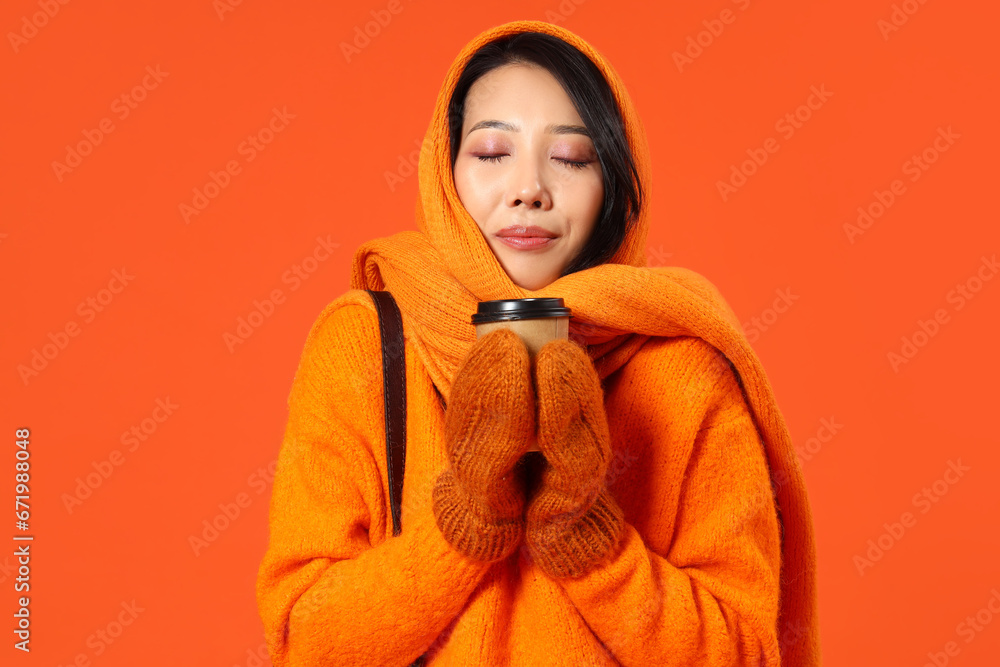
point(535, 321)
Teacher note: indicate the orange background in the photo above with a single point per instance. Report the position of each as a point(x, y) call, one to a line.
point(325, 175)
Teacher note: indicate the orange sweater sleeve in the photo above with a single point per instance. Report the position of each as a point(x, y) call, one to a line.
point(712, 597)
point(329, 591)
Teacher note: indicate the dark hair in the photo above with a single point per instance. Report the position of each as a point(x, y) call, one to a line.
point(594, 101)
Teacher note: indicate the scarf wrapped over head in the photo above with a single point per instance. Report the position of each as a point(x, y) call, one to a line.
point(438, 274)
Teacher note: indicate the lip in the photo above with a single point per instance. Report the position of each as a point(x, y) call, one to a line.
point(526, 242)
point(520, 231)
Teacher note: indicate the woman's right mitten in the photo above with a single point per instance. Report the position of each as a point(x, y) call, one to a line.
point(479, 499)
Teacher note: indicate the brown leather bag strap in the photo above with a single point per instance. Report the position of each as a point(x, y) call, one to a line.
point(390, 323)
point(394, 387)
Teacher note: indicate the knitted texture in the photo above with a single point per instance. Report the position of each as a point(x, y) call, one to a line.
point(703, 468)
point(479, 499)
point(694, 581)
point(440, 271)
point(573, 522)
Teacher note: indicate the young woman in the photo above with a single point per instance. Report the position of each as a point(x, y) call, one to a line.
point(666, 521)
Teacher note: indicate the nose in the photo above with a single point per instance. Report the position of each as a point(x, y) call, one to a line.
point(528, 186)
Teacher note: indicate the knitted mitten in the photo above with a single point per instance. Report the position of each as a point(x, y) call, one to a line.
point(573, 522)
point(479, 499)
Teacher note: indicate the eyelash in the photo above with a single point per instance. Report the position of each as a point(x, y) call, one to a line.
point(570, 163)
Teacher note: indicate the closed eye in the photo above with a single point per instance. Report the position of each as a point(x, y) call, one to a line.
point(575, 164)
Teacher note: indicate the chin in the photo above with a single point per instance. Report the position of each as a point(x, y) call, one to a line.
point(531, 283)
point(522, 270)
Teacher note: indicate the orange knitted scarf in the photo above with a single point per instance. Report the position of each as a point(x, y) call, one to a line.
point(439, 273)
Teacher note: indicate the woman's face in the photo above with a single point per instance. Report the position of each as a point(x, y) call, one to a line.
point(526, 159)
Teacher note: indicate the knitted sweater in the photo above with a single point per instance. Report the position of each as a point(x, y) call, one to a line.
point(702, 464)
point(694, 582)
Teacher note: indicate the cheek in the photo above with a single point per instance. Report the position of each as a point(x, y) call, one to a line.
point(464, 186)
point(473, 191)
point(459, 174)
point(588, 197)
point(475, 186)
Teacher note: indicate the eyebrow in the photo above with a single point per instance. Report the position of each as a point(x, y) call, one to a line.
point(510, 127)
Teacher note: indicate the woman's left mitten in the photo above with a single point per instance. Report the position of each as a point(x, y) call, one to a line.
point(573, 522)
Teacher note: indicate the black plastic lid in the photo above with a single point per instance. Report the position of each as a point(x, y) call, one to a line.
point(503, 310)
